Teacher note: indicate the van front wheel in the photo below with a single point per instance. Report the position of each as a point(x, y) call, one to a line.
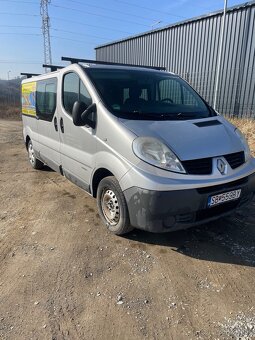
point(112, 206)
point(35, 163)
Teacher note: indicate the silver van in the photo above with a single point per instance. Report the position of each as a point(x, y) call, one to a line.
point(141, 141)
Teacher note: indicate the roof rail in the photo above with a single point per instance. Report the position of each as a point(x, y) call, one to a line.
point(89, 61)
point(53, 67)
point(29, 75)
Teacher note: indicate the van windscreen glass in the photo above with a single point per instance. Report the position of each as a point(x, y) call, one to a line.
point(144, 94)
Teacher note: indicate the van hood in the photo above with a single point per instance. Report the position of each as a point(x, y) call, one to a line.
point(188, 140)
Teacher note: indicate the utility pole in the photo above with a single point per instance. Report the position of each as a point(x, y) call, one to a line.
point(219, 62)
point(46, 31)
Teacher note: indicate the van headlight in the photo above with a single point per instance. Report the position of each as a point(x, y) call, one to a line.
point(154, 152)
point(247, 151)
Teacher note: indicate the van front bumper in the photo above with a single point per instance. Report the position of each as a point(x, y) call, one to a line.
point(164, 211)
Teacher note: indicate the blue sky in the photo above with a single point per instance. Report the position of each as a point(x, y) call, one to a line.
point(77, 26)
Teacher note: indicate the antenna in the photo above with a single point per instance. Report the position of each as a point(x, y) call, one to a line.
point(46, 31)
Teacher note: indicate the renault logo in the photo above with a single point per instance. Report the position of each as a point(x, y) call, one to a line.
point(222, 166)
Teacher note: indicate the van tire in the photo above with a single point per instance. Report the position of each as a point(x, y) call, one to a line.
point(112, 206)
point(34, 162)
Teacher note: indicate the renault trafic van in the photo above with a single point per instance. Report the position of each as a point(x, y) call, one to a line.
point(141, 141)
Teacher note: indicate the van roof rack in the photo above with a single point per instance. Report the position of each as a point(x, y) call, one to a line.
point(29, 75)
point(89, 61)
point(53, 67)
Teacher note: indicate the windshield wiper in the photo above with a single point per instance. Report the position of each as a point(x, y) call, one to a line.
point(171, 116)
point(146, 114)
point(164, 115)
point(190, 115)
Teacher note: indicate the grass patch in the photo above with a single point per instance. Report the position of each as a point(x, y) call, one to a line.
point(12, 112)
point(247, 126)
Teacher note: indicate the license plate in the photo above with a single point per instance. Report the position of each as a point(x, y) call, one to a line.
point(224, 197)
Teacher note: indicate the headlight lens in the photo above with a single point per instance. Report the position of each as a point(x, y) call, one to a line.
point(247, 150)
point(154, 152)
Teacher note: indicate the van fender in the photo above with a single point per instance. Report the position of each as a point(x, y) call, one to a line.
point(29, 133)
point(113, 163)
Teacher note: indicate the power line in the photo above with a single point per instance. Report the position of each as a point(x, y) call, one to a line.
point(98, 15)
point(111, 10)
point(95, 26)
point(22, 14)
point(150, 9)
point(67, 20)
point(52, 36)
point(75, 40)
point(72, 32)
point(18, 33)
point(53, 29)
point(105, 8)
point(20, 62)
point(18, 26)
point(23, 2)
point(163, 12)
point(71, 21)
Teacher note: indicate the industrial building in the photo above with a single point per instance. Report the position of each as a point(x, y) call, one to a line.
point(191, 49)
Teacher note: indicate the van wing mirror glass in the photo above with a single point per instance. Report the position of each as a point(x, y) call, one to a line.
point(78, 109)
point(89, 116)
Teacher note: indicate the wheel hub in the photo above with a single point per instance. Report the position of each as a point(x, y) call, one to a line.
point(31, 154)
point(110, 207)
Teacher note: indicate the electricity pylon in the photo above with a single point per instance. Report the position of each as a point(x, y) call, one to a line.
point(46, 31)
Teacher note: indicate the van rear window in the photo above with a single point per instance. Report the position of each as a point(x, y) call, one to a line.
point(46, 98)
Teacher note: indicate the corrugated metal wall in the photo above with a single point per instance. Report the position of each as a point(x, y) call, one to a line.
point(190, 49)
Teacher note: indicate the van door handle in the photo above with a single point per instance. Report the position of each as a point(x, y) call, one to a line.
point(61, 125)
point(56, 123)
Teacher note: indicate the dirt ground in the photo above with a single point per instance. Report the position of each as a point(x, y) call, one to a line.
point(63, 276)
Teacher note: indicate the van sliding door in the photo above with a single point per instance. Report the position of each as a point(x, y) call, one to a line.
point(48, 129)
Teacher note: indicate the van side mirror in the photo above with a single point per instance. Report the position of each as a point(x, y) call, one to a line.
point(84, 115)
point(78, 109)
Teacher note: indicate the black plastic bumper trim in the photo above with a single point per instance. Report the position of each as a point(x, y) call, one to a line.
point(163, 211)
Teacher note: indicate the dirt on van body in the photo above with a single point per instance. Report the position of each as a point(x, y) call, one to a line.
point(64, 276)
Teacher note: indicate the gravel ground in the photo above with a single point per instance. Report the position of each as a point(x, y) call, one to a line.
point(63, 276)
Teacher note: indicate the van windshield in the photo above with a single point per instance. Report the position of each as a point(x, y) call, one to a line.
point(142, 94)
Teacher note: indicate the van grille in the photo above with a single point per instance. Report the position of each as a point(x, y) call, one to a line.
point(235, 159)
point(203, 166)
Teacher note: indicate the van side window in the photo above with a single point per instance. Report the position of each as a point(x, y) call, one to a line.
point(46, 98)
point(84, 95)
point(73, 90)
